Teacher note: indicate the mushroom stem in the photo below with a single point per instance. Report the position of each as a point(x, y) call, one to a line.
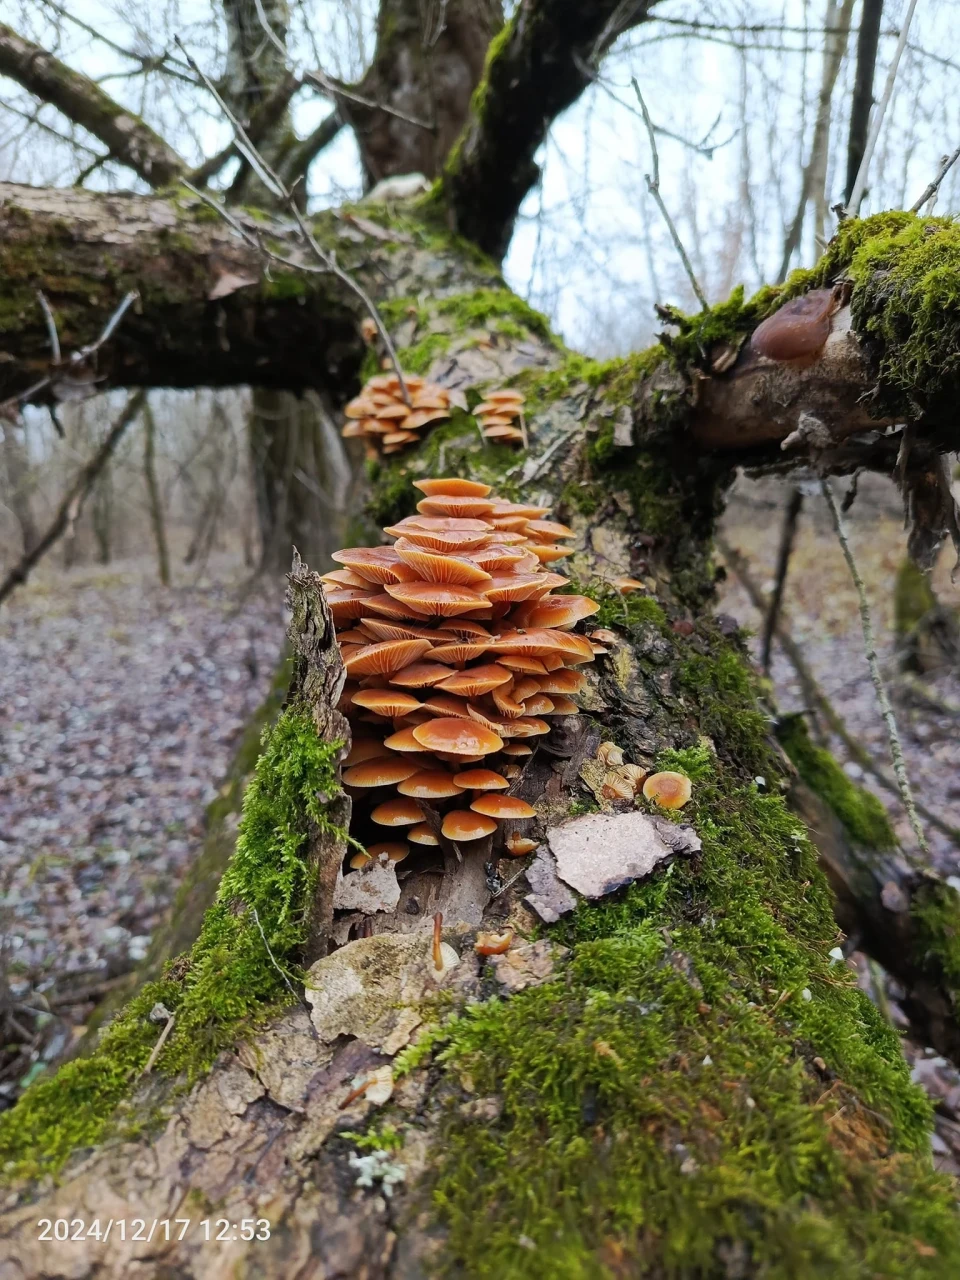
point(437, 953)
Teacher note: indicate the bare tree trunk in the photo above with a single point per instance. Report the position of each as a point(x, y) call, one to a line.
point(102, 515)
point(154, 501)
point(868, 40)
point(19, 484)
point(837, 28)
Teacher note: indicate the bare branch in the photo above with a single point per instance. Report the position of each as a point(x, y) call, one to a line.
point(946, 164)
point(870, 647)
point(653, 186)
point(129, 139)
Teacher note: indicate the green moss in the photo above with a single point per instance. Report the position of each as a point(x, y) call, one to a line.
point(913, 597)
point(725, 692)
point(282, 285)
point(936, 915)
point(862, 815)
point(630, 1141)
point(484, 307)
point(228, 982)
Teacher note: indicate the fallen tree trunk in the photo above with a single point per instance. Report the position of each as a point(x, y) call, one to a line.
point(674, 1077)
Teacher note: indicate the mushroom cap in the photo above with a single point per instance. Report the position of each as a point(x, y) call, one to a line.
point(506, 703)
point(517, 662)
point(344, 578)
point(423, 834)
point(540, 705)
point(515, 586)
point(444, 704)
point(476, 681)
point(459, 652)
point(506, 395)
point(562, 706)
point(364, 749)
point(547, 552)
point(457, 736)
point(396, 850)
point(453, 487)
point(506, 807)
point(455, 506)
point(402, 811)
point(563, 681)
point(528, 727)
point(500, 431)
point(386, 702)
point(429, 784)
point(389, 608)
point(403, 740)
point(480, 780)
point(435, 598)
point(347, 603)
point(669, 790)
point(375, 564)
point(467, 629)
point(422, 415)
point(560, 611)
point(798, 329)
point(515, 749)
point(360, 860)
point(461, 824)
point(385, 657)
point(433, 566)
point(548, 530)
point(626, 585)
point(493, 944)
point(518, 846)
point(419, 675)
point(381, 629)
point(496, 558)
point(519, 509)
point(382, 771)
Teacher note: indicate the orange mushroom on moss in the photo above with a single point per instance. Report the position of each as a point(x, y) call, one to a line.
point(460, 657)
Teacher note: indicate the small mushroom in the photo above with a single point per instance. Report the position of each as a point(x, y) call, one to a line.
point(799, 329)
point(480, 780)
point(518, 846)
point(429, 784)
point(493, 944)
point(458, 737)
point(401, 812)
point(462, 825)
point(668, 790)
point(380, 772)
point(510, 808)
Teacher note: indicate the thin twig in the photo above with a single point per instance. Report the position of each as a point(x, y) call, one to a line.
point(162, 1040)
point(653, 186)
point(818, 704)
point(322, 81)
point(853, 204)
point(77, 358)
point(51, 326)
point(791, 517)
point(946, 164)
point(886, 710)
point(273, 960)
point(274, 183)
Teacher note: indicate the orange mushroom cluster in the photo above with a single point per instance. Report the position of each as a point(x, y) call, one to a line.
point(458, 655)
point(499, 413)
point(381, 415)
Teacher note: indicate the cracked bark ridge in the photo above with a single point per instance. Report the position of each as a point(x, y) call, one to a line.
point(126, 136)
point(317, 682)
point(548, 57)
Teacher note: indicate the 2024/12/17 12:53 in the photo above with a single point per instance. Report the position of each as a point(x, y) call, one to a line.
point(215, 1230)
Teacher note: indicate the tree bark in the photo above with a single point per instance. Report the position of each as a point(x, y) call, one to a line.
point(633, 1099)
point(154, 500)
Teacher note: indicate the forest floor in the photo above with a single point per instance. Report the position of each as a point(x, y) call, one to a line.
point(121, 705)
point(820, 609)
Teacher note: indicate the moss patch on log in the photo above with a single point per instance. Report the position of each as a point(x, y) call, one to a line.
point(231, 979)
point(703, 1088)
point(860, 812)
